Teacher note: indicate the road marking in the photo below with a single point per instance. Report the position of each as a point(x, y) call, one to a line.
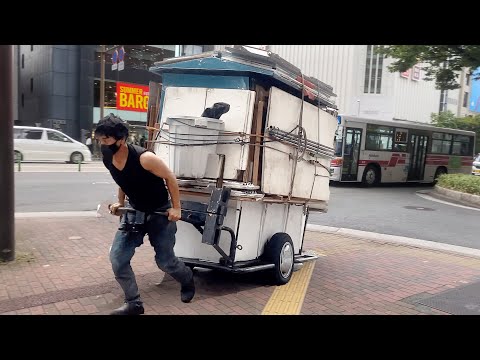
point(431, 198)
point(288, 299)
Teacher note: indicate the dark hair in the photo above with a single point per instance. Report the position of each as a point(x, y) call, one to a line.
point(112, 126)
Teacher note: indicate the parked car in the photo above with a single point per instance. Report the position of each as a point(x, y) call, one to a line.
point(476, 165)
point(44, 144)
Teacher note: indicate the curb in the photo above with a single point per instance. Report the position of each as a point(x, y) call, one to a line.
point(399, 240)
point(471, 199)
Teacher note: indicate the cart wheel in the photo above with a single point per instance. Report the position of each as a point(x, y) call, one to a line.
point(279, 251)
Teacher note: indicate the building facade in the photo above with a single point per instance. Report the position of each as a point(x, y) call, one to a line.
point(458, 101)
point(362, 82)
point(59, 85)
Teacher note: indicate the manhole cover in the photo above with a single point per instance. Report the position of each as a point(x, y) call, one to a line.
point(419, 208)
point(463, 300)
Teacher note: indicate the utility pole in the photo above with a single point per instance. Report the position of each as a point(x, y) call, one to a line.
point(103, 51)
point(7, 219)
point(102, 80)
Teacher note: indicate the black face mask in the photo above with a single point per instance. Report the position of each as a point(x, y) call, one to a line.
point(109, 150)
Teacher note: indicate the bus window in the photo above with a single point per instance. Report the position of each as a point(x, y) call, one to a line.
point(441, 143)
point(461, 144)
point(379, 137)
point(401, 136)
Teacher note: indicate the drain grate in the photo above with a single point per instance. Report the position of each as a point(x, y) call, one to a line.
point(419, 208)
point(464, 300)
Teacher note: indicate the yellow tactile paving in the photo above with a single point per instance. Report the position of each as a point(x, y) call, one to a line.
point(288, 299)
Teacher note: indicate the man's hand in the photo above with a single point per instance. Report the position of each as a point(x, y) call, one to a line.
point(114, 207)
point(174, 214)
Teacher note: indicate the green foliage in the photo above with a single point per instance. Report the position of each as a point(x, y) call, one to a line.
point(442, 62)
point(448, 120)
point(460, 182)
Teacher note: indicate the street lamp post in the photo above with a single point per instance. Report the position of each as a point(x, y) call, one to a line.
point(7, 220)
point(103, 51)
point(102, 80)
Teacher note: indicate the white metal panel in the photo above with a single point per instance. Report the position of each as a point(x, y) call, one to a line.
point(237, 119)
point(259, 221)
point(249, 230)
point(284, 113)
point(189, 240)
point(295, 226)
point(274, 219)
point(183, 101)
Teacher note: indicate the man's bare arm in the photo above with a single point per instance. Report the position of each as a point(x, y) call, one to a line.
point(121, 197)
point(156, 166)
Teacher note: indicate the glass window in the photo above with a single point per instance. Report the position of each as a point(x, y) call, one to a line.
point(55, 136)
point(110, 94)
point(140, 56)
point(461, 145)
point(192, 49)
point(18, 134)
point(465, 99)
point(401, 136)
point(441, 143)
point(33, 134)
point(379, 137)
point(373, 71)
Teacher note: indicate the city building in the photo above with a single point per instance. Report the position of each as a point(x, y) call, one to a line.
point(58, 86)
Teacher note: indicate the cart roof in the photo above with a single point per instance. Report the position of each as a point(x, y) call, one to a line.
point(255, 63)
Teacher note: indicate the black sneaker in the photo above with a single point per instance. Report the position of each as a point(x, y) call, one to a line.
point(129, 309)
point(188, 291)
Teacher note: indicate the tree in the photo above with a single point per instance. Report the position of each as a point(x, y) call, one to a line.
point(442, 62)
point(447, 119)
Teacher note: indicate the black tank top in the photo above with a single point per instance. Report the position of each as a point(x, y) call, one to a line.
point(146, 192)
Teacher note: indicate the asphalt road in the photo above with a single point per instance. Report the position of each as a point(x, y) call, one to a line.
point(388, 209)
point(398, 210)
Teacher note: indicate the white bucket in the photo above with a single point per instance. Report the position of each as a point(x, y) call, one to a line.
point(192, 139)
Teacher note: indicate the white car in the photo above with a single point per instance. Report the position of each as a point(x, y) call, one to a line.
point(44, 144)
point(476, 166)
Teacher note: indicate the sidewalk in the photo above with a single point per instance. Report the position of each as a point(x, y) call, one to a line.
point(62, 267)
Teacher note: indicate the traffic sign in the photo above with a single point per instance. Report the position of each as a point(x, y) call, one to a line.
point(114, 59)
point(121, 56)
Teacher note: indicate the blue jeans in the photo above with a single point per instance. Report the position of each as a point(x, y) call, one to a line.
point(161, 234)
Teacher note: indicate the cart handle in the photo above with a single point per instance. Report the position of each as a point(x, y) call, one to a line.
point(123, 210)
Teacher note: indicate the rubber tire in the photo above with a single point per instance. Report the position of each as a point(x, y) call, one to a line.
point(438, 172)
point(364, 177)
point(272, 253)
point(16, 154)
point(73, 154)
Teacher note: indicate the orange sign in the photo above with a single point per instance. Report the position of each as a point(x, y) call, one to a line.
point(132, 97)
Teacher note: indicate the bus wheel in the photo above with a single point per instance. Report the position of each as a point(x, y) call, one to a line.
point(371, 176)
point(440, 171)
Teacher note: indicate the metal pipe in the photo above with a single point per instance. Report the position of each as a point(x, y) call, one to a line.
point(102, 80)
point(310, 148)
point(221, 170)
point(283, 134)
point(7, 220)
point(295, 138)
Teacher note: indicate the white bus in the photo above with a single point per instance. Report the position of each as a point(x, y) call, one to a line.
point(380, 151)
